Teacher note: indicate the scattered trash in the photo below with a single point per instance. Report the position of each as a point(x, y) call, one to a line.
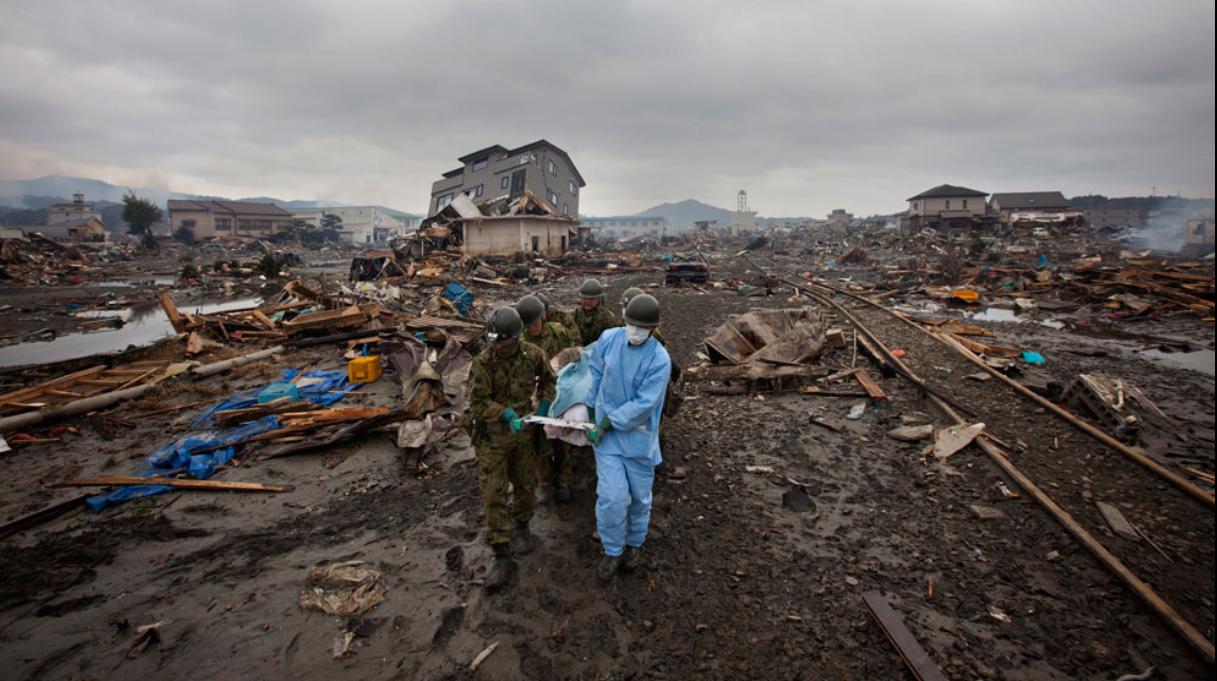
point(342, 589)
point(950, 440)
point(856, 412)
point(1033, 358)
point(912, 433)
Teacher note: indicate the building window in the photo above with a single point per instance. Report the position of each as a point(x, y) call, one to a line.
point(443, 201)
point(222, 224)
point(553, 199)
point(188, 223)
point(553, 168)
point(474, 192)
point(948, 204)
point(480, 164)
point(504, 182)
point(573, 190)
point(565, 209)
point(965, 204)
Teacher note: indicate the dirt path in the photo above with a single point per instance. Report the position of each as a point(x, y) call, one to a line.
point(734, 585)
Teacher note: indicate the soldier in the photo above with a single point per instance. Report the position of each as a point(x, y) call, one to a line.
point(592, 318)
point(553, 314)
point(504, 378)
point(553, 457)
point(625, 301)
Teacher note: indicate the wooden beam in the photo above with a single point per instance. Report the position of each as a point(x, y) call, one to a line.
point(915, 658)
point(869, 385)
point(180, 483)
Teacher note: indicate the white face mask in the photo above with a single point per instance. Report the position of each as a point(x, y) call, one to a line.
point(636, 335)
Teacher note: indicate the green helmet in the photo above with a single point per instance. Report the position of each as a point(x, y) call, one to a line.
point(504, 324)
point(543, 298)
point(591, 288)
point(642, 310)
point(629, 295)
point(530, 308)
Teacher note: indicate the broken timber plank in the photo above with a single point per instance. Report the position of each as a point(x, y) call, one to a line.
point(869, 385)
point(914, 656)
point(171, 311)
point(180, 483)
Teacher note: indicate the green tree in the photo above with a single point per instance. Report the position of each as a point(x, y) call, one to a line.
point(330, 221)
point(140, 214)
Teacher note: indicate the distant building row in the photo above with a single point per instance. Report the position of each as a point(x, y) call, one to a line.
point(206, 219)
point(948, 207)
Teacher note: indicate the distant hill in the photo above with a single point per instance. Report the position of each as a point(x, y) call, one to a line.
point(683, 214)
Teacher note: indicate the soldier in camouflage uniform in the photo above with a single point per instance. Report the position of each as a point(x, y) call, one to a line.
point(504, 378)
point(553, 456)
point(592, 317)
point(553, 314)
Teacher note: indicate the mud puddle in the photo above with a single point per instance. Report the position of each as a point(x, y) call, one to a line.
point(142, 325)
point(1199, 361)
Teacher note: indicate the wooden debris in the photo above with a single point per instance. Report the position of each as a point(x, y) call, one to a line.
point(180, 483)
point(869, 385)
point(914, 656)
point(951, 440)
point(477, 661)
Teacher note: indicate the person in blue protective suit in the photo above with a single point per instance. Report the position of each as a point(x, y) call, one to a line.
point(629, 370)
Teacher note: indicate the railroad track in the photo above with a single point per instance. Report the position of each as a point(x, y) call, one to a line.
point(1066, 465)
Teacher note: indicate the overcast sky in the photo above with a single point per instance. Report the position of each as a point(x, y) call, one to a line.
point(808, 105)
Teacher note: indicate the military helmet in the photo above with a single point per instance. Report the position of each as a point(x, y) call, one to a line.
point(629, 295)
point(543, 298)
point(504, 324)
point(530, 308)
point(643, 310)
point(591, 288)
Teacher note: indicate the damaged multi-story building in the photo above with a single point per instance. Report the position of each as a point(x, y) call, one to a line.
point(504, 201)
point(540, 167)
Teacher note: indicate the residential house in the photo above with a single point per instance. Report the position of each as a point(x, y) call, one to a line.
point(540, 168)
point(945, 207)
point(205, 219)
point(360, 224)
point(626, 225)
point(1199, 238)
point(86, 229)
point(76, 212)
point(1004, 204)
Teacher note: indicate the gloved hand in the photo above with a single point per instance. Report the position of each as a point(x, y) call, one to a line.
point(595, 434)
point(591, 413)
point(543, 408)
point(509, 414)
point(516, 425)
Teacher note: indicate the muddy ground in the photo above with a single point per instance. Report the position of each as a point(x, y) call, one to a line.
point(734, 585)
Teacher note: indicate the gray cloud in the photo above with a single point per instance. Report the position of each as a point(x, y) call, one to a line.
point(808, 105)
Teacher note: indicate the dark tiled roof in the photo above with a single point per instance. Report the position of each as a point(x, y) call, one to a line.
point(1016, 200)
point(946, 191)
point(557, 150)
point(454, 172)
point(483, 152)
point(234, 207)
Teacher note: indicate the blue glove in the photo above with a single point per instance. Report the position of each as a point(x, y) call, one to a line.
point(509, 414)
point(543, 408)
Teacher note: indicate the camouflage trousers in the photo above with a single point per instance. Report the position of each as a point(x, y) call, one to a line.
point(553, 460)
point(503, 459)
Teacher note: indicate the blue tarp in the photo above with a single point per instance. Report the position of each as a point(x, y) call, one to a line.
point(202, 451)
point(460, 297)
point(574, 382)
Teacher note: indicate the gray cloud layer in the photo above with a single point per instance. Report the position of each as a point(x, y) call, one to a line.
point(808, 105)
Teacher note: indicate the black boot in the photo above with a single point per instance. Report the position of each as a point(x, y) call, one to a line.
point(502, 569)
point(608, 567)
point(522, 541)
point(631, 558)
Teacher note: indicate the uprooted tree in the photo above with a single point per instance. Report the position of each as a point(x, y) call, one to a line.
point(140, 214)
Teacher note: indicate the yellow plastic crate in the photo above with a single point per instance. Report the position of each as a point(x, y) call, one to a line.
point(364, 369)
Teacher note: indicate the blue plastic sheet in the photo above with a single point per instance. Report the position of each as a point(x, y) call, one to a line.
point(574, 383)
point(201, 452)
point(460, 297)
point(1033, 358)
